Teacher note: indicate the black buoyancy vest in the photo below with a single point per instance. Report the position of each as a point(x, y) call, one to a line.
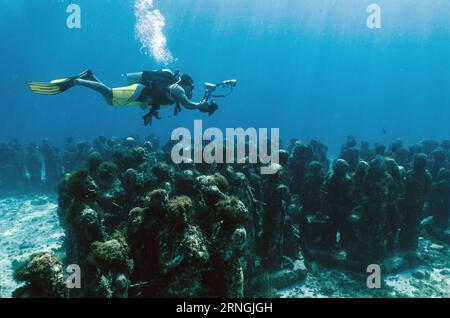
point(156, 86)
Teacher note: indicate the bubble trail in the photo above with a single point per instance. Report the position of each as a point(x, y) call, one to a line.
point(149, 29)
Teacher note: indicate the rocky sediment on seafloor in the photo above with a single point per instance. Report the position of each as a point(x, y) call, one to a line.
point(28, 224)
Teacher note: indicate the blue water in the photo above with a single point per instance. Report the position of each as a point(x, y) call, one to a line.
point(310, 67)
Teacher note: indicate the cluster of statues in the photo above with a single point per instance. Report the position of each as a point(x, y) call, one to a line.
point(40, 165)
point(140, 226)
point(371, 206)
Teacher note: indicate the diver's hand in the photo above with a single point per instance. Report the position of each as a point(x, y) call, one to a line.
point(208, 107)
point(203, 106)
point(149, 116)
point(147, 120)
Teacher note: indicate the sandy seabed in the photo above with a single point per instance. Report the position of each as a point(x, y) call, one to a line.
point(28, 224)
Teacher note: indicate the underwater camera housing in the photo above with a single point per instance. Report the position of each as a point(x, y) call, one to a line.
point(230, 83)
point(211, 88)
point(227, 83)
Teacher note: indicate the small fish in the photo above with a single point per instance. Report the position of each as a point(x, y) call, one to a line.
point(384, 131)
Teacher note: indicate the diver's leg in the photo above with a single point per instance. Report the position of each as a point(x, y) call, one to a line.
point(98, 87)
point(95, 78)
point(91, 77)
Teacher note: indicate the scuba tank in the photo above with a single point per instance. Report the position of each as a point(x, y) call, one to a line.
point(134, 78)
point(147, 76)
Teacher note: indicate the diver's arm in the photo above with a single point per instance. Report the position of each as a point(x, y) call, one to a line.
point(180, 95)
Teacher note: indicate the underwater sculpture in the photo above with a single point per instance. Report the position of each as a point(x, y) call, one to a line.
point(12, 165)
point(44, 277)
point(417, 185)
point(140, 226)
point(52, 163)
point(440, 205)
point(34, 165)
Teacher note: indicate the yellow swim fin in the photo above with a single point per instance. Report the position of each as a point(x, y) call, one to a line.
point(56, 86)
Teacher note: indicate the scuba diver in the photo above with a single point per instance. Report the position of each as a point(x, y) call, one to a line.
point(150, 90)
